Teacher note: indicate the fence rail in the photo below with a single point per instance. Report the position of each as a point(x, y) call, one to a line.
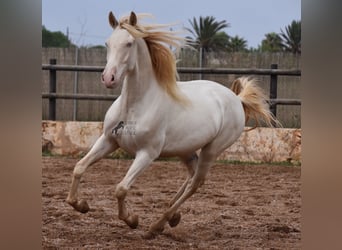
point(183, 70)
point(80, 96)
point(114, 97)
point(273, 72)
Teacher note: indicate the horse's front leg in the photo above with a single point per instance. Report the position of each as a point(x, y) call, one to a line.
point(101, 148)
point(140, 163)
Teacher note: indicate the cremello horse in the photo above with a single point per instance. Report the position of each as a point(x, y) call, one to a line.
point(157, 116)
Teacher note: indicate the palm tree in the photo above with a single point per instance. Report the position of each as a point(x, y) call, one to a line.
point(292, 37)
point(271, 43)
point(207, 34)
point(220, 41)
point(237, 44)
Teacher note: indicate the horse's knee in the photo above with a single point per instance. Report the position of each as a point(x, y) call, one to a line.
point(78, 171)
point(120, 192)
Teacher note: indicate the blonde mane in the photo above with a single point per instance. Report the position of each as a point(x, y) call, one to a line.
point(163, 60)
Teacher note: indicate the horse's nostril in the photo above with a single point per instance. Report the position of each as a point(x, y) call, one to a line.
point(102, 77)
point(112, 78)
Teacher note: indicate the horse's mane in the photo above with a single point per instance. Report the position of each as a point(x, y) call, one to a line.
point(163, 59)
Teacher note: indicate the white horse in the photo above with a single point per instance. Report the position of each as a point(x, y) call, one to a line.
point(157, 116)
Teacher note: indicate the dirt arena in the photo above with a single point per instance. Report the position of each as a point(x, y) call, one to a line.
point(238, 207)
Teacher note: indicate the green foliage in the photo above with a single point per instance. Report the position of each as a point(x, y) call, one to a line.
point(291, 37)
point(97, 47)
point(120, 154)
point(55, 39)
point(220, 41)
point(237, 44)
point(47, 153)
point(246, 163)
point(271, 43)
point(288, 40)
point(207, 33)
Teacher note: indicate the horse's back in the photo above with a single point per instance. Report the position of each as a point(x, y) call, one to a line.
point(215, 101)
point(215, 113)
point(205, 88)
point(212, 94)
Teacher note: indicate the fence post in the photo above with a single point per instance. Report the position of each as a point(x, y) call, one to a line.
point(52, 90)
point(273, 90)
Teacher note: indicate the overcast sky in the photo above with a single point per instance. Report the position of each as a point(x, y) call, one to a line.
point(87, 20)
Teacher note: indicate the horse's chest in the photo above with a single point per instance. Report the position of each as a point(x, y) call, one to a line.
point(124, 129)
point(127, 134)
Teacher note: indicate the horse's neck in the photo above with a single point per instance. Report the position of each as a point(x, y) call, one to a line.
point(140, 85)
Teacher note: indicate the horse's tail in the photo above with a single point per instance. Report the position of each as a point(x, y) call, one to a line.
point(254, 101)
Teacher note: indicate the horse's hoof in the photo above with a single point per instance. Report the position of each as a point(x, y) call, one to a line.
point(82, 206)
point(149, 235)
point(175, 219)
point(133, 221)
point(154, 231)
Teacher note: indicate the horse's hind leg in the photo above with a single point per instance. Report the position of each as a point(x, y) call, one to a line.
point(101, 148)
point(191, 164)
point(204, 163)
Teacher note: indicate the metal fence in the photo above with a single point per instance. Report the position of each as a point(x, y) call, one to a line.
point(273, 72)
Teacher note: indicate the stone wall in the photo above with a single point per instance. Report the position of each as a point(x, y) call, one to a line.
point(257, 145)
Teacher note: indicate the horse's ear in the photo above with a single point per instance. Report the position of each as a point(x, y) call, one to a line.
point(112, 20)
point(133, 19)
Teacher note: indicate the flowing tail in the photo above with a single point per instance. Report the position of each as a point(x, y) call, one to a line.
point(254, 101)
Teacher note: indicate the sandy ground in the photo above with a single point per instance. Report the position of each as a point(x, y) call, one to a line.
point(238, 207)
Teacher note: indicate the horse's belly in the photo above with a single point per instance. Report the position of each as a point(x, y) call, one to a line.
point(182, 147)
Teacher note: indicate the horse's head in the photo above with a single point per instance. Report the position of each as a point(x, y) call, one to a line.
point(121, 52)
point(145, 45)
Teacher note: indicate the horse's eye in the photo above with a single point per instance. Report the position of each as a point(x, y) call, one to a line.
point(129, 44)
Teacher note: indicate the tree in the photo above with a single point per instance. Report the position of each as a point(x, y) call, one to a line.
point(220, 41)
point(271, 43)
point(237, 44)
point(54, 39)
point(207, 34)
point(291, 37)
